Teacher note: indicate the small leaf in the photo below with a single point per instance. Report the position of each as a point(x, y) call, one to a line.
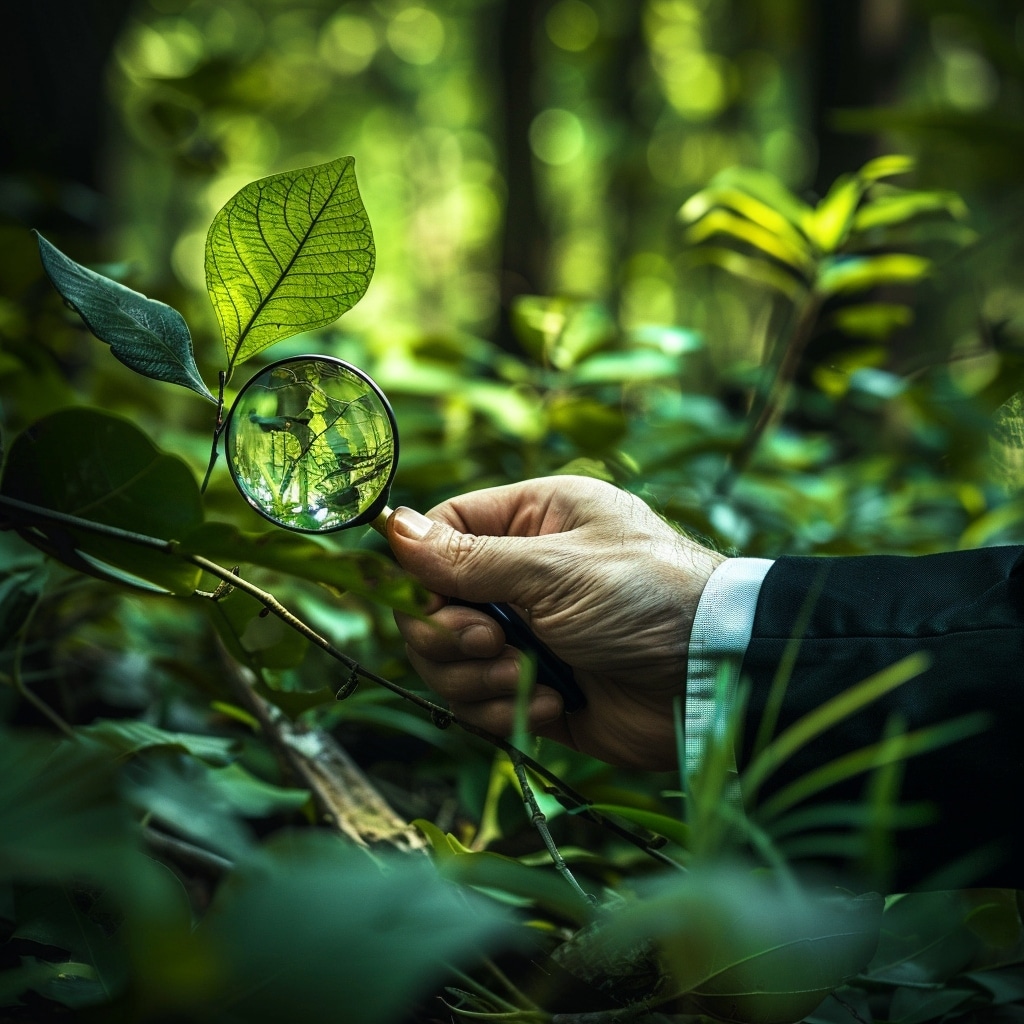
point(759, 271)
point(857, 274)
point(749, 206)
point(286, 254)
point(147, 336)
point(831, 221)
point(722, 222)
point(886, 167)
point(874, 320)
point(891, 210)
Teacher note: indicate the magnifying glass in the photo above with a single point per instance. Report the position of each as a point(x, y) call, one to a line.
point(312, 445)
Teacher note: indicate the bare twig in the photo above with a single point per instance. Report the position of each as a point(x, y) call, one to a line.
point(540, 823)
point(440, 716)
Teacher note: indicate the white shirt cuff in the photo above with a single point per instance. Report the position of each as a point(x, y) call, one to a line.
point(721, 632)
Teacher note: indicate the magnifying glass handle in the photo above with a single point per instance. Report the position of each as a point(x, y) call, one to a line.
point(551, 670)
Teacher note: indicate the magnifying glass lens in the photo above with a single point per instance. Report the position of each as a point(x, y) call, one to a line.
point(312, 445)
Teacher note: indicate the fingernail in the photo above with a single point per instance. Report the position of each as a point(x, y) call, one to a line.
point(409, 523)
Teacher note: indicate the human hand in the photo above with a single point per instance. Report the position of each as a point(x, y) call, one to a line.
point(605, 583)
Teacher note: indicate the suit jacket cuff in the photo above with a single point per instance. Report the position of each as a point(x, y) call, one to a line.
point(718, 641)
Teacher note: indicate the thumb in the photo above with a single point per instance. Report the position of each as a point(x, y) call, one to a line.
point(461, 565)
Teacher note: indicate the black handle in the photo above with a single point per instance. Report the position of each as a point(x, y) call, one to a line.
point(551, 670)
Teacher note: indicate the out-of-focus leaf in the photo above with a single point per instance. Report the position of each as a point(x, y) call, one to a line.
point(1006, 443)
point(177, 793)
point(741, 948)
point(102, 468)
point(749, 206)
point(503, 876)
point(636, 364)
point(286, 254)
point(888, 166)
point(252, 797)
point(825, 716)
point(1002, 521)
point(591, 424)
point(924, 939)
point(750, 268)
point(311, 558)
point(858, 273)
point(768, 189)
point(60, 814)
point(873, 320)
point(722, 222)
point(916, 1006)
point(830, 223)
point(660, 824)
point(127, 737)
point(52, 916)
point(252, 637)
point(887, 211)
point(314, 925)
point(560, 330)
point(148, 336)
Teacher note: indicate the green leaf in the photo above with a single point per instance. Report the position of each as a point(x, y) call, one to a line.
point(830, 223)
point(102, 468)
point(740, 947)
point(873, 320)
point(660, 824)
point(892, 210)
point(754, 209)
point(312, 558)
point(721, 222)
point(315, 926)
point(858, 273)
point(1006, 443)
point(60, 814)
point(286, 254)
point(886, 167)
point(759, 271)
point(127, 737)
point(147, 336)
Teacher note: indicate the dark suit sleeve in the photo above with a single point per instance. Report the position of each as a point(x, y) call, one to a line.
point(965, 610)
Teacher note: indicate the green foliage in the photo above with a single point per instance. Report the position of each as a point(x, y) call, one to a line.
point(195, 724)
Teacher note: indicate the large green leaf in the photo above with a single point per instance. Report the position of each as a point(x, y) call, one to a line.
point(315, 930)
point(286, 254)
point(102, 468)
point(148, 336)
point(740, 947)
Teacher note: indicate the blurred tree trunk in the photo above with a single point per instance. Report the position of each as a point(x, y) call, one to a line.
point(53, 60)
point(526, 241)
point(856, 53)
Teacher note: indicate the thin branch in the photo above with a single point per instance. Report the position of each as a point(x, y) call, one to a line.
point(440, 716)
point(540, 823)
point(218, 429)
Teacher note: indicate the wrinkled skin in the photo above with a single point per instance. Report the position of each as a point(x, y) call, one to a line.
point(602, 580)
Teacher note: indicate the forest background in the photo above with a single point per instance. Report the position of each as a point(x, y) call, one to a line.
point(565, 281)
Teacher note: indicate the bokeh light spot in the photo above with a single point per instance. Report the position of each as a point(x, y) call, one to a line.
point(347, 43)
point(416, 35)
point(557, 136)
point(572, 25)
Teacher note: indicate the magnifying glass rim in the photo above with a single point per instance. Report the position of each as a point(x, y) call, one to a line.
point(377, 505)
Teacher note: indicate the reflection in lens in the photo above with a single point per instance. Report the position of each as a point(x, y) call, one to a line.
point(311, 443)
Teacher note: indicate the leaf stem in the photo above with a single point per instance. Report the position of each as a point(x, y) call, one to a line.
point(218, 429)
